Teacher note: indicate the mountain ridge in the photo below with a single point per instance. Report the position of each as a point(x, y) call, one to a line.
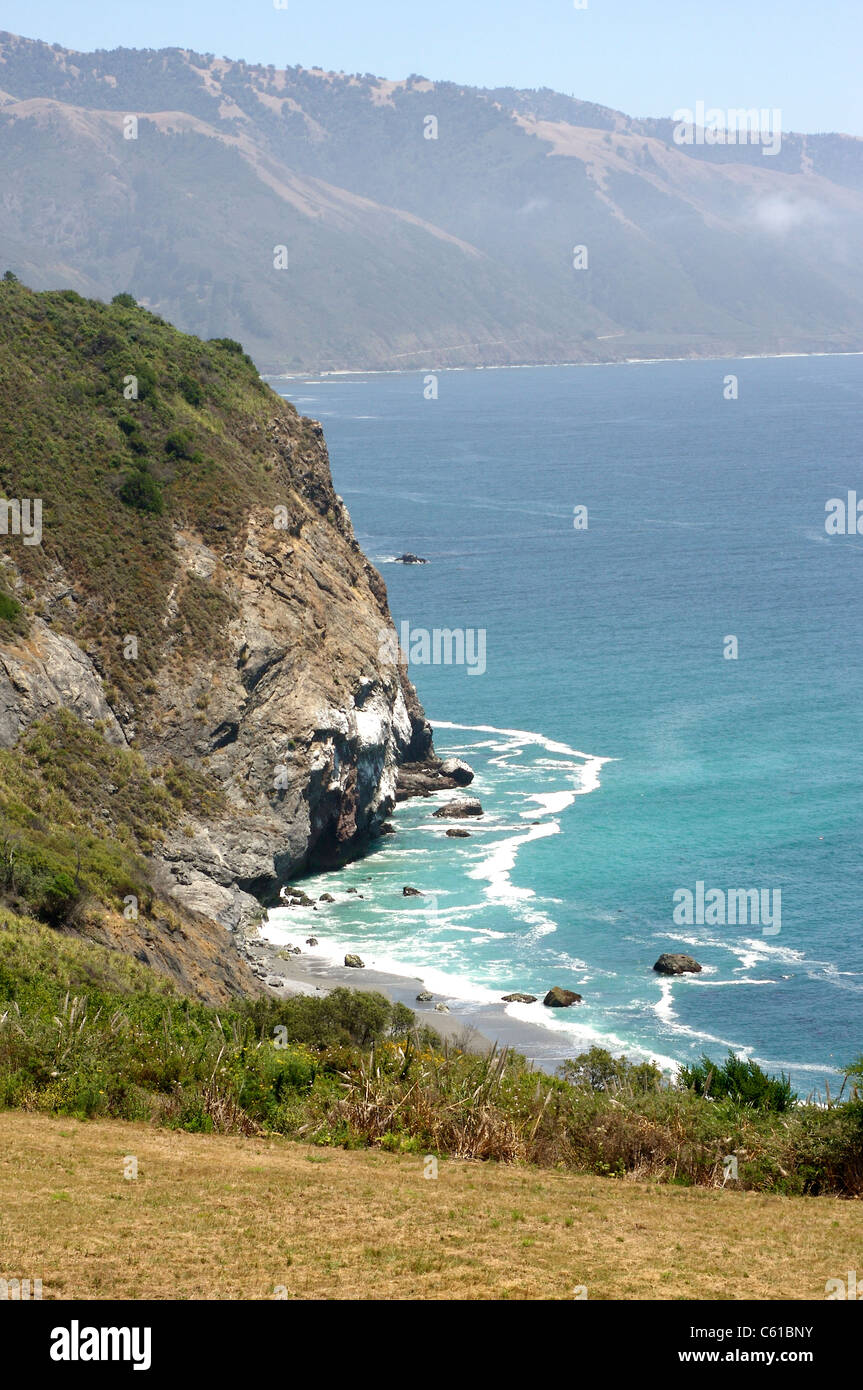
point(406, 251)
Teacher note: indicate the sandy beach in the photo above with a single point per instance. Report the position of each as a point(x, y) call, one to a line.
point(476, 1027)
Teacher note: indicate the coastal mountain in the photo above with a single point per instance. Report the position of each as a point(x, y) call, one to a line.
point(198, 696)
point(333, 221)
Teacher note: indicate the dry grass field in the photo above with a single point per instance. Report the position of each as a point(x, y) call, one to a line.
point(227, 1218)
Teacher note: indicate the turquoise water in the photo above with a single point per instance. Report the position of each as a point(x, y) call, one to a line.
point(706, 520)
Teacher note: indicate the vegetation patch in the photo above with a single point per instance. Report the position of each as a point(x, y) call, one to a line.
point(127, 430)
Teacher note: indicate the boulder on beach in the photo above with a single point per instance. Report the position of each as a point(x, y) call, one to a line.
point(455, 832)
point(519, 998)
point(459, 810)
point(275, 981)
point(424, 996)
point(558, 998)
point(671, 963)
point(412, 893)
point(442, 1008)
point(460, 772)
point(354, 962)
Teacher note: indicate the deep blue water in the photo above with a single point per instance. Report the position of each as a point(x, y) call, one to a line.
point(706, 520)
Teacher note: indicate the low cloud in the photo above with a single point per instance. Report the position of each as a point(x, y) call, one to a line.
point(781, 214)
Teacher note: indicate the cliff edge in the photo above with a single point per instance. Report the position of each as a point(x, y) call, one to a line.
point(180, 579)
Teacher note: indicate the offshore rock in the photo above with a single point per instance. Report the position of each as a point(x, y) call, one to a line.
point(671, 963)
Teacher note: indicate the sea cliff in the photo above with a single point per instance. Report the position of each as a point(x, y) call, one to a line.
point(196, 598)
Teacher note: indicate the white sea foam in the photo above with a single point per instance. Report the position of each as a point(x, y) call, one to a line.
point(584, 1035)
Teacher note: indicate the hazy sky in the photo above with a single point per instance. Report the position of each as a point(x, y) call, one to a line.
point(644, 57)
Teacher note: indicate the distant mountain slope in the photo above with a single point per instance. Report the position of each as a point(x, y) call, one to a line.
point(408, 251)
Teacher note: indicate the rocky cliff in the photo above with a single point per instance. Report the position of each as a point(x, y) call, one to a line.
point(196, 597)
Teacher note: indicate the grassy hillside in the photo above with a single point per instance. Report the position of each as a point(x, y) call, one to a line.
point(78, 818)
point(216, 1217)
point(116, 475)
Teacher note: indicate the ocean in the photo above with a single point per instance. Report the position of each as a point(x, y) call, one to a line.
point(658, 693)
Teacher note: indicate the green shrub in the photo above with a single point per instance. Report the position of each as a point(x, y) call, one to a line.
point(743, 1082)
point(10, 608)
point(179, 444)
point(141, 491)
point(60, 896)
point(191, 390)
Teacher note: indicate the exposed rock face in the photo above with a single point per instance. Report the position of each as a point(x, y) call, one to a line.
point(558, 998)
point(429, 776)
point(299, 716)
point(457, 810)
point(676, 964)
point(45, 673)
point(460, 772)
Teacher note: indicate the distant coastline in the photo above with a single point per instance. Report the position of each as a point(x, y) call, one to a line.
point(321, 373)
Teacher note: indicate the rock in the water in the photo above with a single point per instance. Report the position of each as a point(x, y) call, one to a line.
point(676, 964)
point(326, 898)
point(387, 828)
point(558, 998)
point(295, 897)
point(456, 833)
point(442, 1008)
point(355, 962)
point(519, 998)
point(458, 810)
point(424, 996)
point(412, 893)
point(311, 941)
point(410, 559)
point(460, 772)
point(352, 890)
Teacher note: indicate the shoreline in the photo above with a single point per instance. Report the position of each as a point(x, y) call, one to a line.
point(322, 372)
point(475, 1027)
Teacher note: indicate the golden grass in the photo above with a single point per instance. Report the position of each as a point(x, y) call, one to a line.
point(227, 1218)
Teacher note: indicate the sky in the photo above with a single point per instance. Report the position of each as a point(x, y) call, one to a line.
point(644, 57)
